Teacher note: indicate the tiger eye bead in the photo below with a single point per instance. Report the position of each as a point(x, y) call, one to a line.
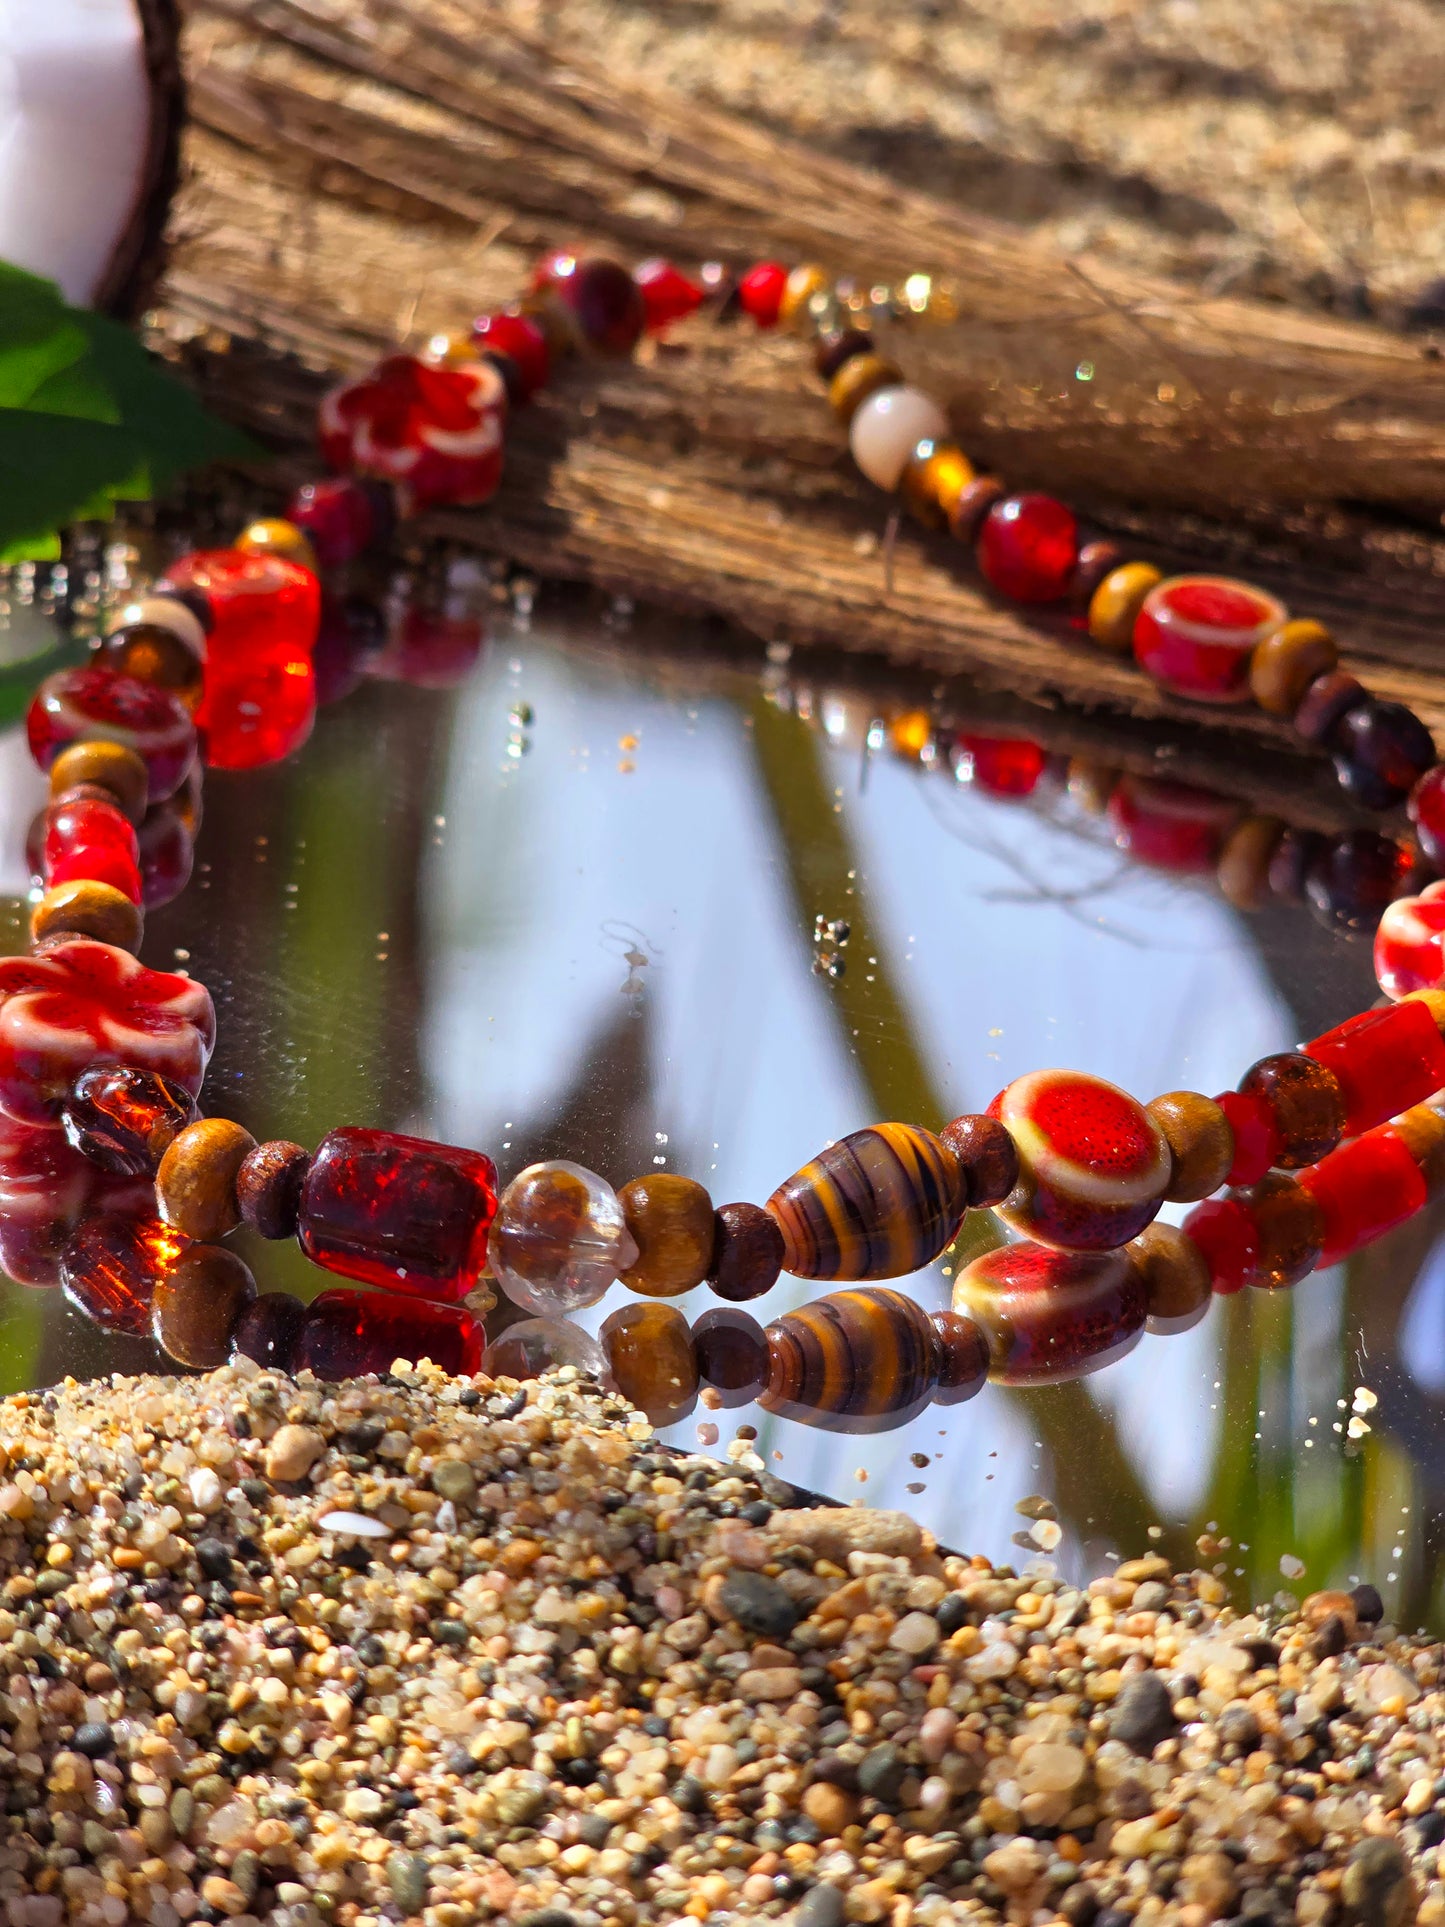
point(1287, 661)
point(112, 767)
point(1177, 1284)
point(962, 1358)
point(198, 1303)
point(268, 1187)
point(747, 1252)
point(878, 1203)
point(670, 1219)
point(858, 378)
point(732, 1354)
point(653, 1360)
point(1051, 1315)
point(854, 1361)
point(84, 908)
point(274, 536)
point(1201, 1144)
point(196, 1182)
point(1244, 862)
point(1307, 1103)
point(1289, 1230)
point(988, 1157)
point(1115, 604)
point(934, 477)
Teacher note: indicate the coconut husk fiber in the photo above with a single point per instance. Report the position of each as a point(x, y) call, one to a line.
point(363, 171)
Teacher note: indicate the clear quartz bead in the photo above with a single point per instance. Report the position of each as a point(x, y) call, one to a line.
point(559, 1239)
point(537, 1345)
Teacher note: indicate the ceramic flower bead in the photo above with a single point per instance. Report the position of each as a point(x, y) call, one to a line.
point(434, 433)
point(87, 1003)
point(1093, 1164)
point(1410, 943)
point(1196, 635)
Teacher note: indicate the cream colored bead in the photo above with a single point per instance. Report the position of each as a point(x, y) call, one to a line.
point(888, 427)
point(163, 612)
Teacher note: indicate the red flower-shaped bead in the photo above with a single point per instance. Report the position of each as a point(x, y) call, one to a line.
point(434, 433)
point(1410, 943)
point(87, 1003)
point(97, 705)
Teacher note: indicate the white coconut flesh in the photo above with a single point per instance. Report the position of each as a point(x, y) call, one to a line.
point(75, 123)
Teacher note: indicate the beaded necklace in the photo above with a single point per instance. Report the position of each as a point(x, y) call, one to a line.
point(1317, 1152)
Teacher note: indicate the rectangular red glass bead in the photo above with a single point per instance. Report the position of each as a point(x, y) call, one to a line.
point(1363, 1190)
point(399, 1212)
point(349, 1333)
point(1386, 1060)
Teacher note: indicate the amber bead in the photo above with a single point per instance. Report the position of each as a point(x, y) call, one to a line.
point(852, 1361)
point(1097, 560)
point(987, 1155)
point(198, 1302)
point(934, 478)
point(1201, 1144)
point(196, 1182)
point(85, 908)
point(840, 345)
point(267, 1330)
point(1307, 1103)
point(962, 1358)
point(1289, 1230)
point(747, 1252)
point(798, 290)
point(272, 535)
point(858, 378)
point(652, 1359)
point(125, 1119)
point(268, 1187)
point(973, 504)
point(1115, 604)
point(1324, 705)
point(878, 1203)
point(1244, 862)
point(155, 655)
point(1287, 661)
point(732, 1354)
point(110, 1267)
point(1177, 1284)
point(112, 767)
point(671, 1221)
point(1350, 879)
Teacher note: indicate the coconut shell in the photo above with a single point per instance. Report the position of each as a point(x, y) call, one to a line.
point(140, 250)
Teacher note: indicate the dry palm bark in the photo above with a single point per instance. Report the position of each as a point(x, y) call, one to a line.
point(360, 170)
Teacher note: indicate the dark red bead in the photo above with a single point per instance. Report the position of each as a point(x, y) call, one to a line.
point(337, 516)
point(1352, 878)
point(747, 1252)
point(1381, 751)
point(1228, 1240)
point(667, 294)
point(349, 1333)
point(267, 1330)
point(999, 765)
point(123, 1119)
point(46, 1188)
point(1325, 704)
point(1427, 813)
point(608, 305)
point(760, 292)
point(399, 1212)
point(79, 705)
point(1257, 1140)
point(268, 1187)
point(351, 635)
point(430, 649)
point(1290, 864)
point(111, 1266)
point(519, 338)
point(1027, 547)
point(94, 840)
point(732, 1354)
point(837, 346)
point(167, 852)
point(963, 1357)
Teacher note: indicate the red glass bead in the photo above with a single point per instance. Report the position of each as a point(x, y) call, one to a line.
point(1195, 635)
point(167, 852)
point(667, 294)
point(1049, 1315)
point(268, 1329)
point(1225, 1233)
point(1427, 812)
point(259, 701)
point(760, 292)
point(1093, 1164)
point(555, 268)
point(519, 338)
point(337, 516)
point(434, 433)
point(89, 839)
point(1173, 826)
point(1000, 765)
point(124, 1119)
point(400, 1212)
point(1364, 1190)
point(87, 1003)
point(1027, 547)
point(608, 305)
point(111, 1266)
point(1256, 1137)
point(430, 650)
point(1386, 1060)
point(1410, 943)
point(350, 1333)
point(96, 705)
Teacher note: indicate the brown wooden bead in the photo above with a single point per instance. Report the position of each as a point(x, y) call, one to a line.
point(268, 1187)
point(798, 290)
point(840, 345)
point(1177, 1284)
point(1200, 1142)
point(196, 1182)
point(1288, 660)
point(85, 908)
point(1090, 784)
point(1325, 703)
point(732, 1354)
point(856, 380)
point(198, 1303)
point(653, 1360)
point(113, 767)
point(963, 1357)
point(1290, 1228)
point(1243, 872)
point(1306, 1101)
point(151, 654)
point(934, 477)
point(1115, 604)
point(988, 1155)
point(973, 504)
point(671, 1221)
point(747, 1252)
point(1096, 560)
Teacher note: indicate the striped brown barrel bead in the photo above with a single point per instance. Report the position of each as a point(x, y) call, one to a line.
point(877, 1204)
point(860, 1361)
point(1052, 1315)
